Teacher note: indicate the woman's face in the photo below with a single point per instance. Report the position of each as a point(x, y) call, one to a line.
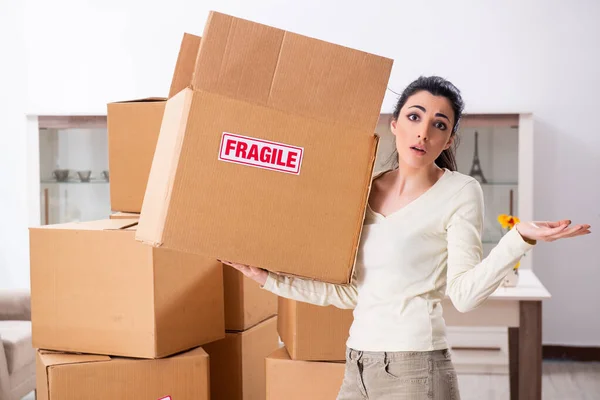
point(423, 129)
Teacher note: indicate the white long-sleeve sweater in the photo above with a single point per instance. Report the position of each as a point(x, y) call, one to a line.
point(407, 262)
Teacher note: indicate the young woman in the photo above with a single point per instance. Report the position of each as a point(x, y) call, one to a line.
point(421, 241)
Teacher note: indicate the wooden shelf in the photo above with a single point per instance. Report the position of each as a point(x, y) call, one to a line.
point(73, 182)
point(73, 121)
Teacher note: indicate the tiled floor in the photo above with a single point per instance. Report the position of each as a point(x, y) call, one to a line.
point(561, 381)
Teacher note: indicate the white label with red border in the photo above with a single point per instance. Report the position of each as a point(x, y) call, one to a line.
point(260, 153)
point(165, 398)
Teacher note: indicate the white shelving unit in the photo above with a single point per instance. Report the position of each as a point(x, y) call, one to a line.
point(79, 145)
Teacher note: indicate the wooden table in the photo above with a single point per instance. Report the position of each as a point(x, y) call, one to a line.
point(520, 309)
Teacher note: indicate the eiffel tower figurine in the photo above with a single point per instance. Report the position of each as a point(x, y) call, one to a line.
point(476, 171)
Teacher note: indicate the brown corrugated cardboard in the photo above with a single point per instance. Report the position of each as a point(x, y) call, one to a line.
point(267, 159)
point(237, 363)
point(246, 304)
point(123, 215)
point(95, 289)
point(301, 380)
point(282, 70)
point(67, 376)
point(186, 63)
point(313, 332)
point(133, 128)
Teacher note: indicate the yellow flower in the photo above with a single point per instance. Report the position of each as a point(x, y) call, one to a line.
point(513, 221)
point(508, 221)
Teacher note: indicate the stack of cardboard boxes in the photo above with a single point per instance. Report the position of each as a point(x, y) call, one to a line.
point(133, 129)
point(113, 318)
point(313, 358)
point(237, 368)
point(263, 155)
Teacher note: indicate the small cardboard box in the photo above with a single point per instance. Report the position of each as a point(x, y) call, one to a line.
point(246, 304)
point(133, 128)
point(313, 332)
point(95, 289)
point(266, 159)
point(68, 376)
point(237, 363)
point(301, 380)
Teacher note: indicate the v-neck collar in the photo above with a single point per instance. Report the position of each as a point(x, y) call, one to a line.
point(401, 210)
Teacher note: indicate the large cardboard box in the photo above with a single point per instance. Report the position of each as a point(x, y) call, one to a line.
point(237, 363)
point(301, 380)
point(67, 376)
point(313, 332)
point(133, 128)
point(95, 289)
point(246, 304)
point(266, 159)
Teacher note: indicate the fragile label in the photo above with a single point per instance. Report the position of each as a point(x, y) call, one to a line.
point(260, 153)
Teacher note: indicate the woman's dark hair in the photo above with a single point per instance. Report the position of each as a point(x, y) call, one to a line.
point(438, 87)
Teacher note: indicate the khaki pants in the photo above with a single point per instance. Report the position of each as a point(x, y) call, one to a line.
point(399, 375)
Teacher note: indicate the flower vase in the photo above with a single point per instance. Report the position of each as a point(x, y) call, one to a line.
point(511, 279)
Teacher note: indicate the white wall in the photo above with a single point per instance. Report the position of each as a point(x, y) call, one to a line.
point(512, 56)
point(14, 256)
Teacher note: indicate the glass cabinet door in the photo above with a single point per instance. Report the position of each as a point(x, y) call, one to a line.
point(73, 169)
point(490, 153)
